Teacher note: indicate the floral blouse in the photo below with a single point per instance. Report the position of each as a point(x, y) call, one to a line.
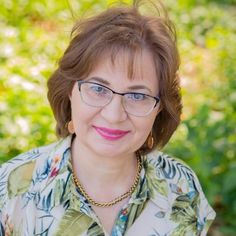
point(38, 197)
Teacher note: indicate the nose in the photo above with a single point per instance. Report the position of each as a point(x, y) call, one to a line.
point(114, 111)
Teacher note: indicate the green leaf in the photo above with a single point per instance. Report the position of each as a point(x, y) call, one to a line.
point(73, 223)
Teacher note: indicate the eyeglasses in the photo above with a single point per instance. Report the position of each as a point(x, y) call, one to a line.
point(97, 95)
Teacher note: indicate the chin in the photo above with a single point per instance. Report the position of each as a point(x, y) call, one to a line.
point(108, 151)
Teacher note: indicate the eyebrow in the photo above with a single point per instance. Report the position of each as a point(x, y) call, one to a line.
point(105, 82)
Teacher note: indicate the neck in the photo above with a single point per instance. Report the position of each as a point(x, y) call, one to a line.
point(113, 174)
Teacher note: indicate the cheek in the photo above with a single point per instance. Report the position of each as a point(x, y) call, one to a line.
point(82, 114)
point(144, 127)
point(78, 111)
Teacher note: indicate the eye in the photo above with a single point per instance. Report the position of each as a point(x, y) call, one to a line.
point(136, 96)
point(98, 89)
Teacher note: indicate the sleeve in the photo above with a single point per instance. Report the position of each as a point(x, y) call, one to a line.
point(2, 199)
point(15, 177)
point(206, 214)
point(1, 226)
point(1, 230)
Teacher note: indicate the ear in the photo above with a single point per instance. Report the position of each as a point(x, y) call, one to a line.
point(158, 111)
point(70, 93)
point(160, 108)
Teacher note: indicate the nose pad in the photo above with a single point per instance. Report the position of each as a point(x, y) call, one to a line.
point(114, 111)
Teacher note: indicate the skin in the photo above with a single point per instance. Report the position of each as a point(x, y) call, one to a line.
point(111, 164)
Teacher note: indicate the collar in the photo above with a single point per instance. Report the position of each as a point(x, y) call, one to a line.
point(59, 178)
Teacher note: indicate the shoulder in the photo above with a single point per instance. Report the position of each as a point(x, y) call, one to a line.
point(16, 174)
point(176, 173)
point(173, 170)
point(176, 182)
point(26, 182)
point(168, 178)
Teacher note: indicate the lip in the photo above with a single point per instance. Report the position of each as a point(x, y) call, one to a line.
point(110, 134)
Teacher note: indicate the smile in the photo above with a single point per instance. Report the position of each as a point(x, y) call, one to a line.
point(110, 134)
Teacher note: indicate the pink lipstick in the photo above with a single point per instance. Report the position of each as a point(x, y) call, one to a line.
point(110, 134)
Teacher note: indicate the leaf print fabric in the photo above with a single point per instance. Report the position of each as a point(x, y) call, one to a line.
point(73, 221)
point(38, 197)
point(20, 179)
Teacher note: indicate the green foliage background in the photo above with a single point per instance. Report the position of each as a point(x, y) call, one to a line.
point(33, 36)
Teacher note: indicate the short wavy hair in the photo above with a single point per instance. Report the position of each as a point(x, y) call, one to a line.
point(122, 28)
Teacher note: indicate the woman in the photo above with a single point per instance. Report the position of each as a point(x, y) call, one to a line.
point(116, 101)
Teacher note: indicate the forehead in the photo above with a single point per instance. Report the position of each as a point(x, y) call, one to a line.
point(127, 67)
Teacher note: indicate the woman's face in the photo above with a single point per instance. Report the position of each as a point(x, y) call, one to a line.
point(110, 130)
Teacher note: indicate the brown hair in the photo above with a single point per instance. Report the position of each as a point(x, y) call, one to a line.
point(120, 28)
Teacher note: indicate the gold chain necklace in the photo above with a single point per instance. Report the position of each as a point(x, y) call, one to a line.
point(117, 199)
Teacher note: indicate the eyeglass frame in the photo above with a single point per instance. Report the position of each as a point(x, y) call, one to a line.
point(157, 98)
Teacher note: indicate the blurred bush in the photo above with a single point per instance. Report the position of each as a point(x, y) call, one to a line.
point(206, 139)
point(33, 36)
